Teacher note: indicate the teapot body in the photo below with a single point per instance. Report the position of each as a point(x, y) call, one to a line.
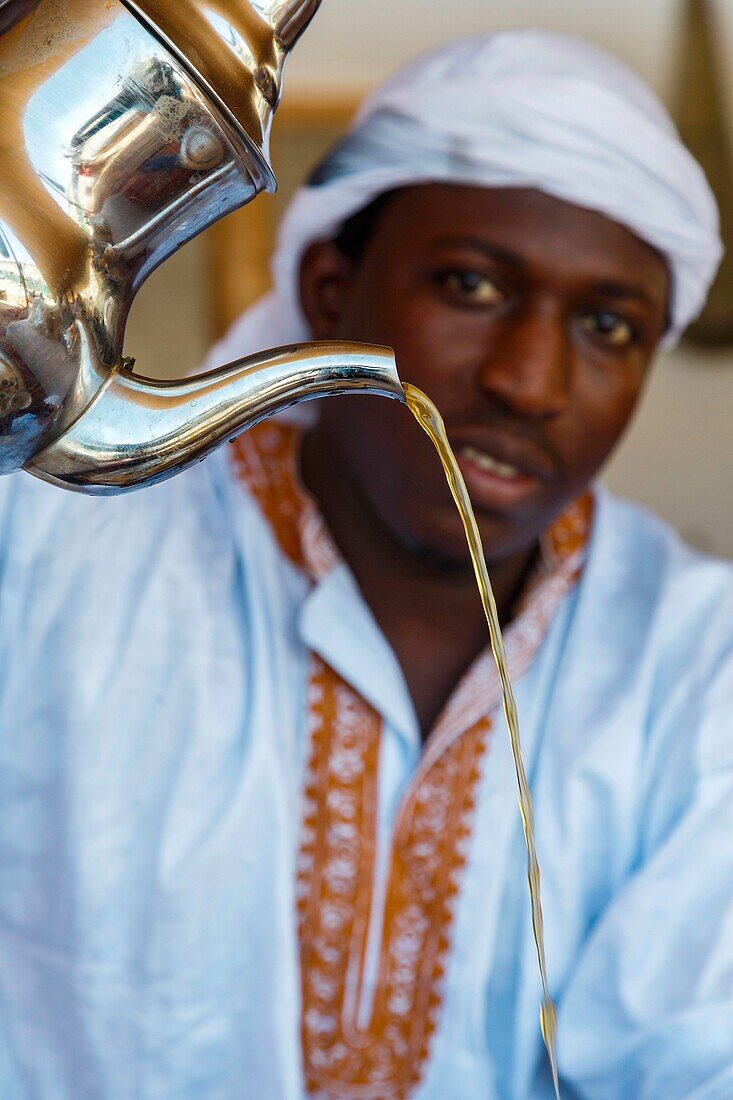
point(126, 128)
point(111, 157)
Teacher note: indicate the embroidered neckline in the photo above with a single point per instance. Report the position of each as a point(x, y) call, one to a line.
point(367, 1035)
point(266, 458)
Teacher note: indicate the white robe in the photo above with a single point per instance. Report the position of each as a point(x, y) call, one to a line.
point(153, 658)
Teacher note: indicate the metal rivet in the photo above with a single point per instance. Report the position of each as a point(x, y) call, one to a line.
point(201, 149)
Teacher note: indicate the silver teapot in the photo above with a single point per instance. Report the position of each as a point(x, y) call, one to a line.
point(126, 128)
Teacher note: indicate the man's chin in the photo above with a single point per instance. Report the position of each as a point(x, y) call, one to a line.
point(446, 544)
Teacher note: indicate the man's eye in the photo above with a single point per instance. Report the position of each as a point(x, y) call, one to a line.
point(472, 286)
point(609, 327)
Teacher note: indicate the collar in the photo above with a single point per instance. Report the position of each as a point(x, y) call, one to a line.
point(266, 462)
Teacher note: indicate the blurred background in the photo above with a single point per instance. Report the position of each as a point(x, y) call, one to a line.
point(678, 455)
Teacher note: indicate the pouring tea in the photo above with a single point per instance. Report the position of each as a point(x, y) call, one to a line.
point(259, 829)
point(125, 130)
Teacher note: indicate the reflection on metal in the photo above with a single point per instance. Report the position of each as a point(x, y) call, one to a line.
point(115, 149)
point(705, 124)
point(236, 50)
point(12, 11)
point(182, 422)
point(290, 18)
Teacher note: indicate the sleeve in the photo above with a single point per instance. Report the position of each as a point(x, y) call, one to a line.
point(8, 483)
point(31, 523)
point(10, 1084)
point(648, 1014)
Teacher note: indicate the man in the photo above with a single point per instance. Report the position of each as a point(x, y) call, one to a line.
point(259, 833)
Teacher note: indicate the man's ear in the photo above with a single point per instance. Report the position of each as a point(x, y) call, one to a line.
point(326, 276)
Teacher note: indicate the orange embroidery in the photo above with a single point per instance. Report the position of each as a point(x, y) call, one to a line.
point(567, 539)
point(370, 1009)
point(382, 1056)
point(264, 458)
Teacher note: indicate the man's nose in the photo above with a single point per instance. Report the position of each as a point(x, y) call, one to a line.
point(528, 366)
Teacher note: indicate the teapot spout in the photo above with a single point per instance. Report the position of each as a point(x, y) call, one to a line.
point(137, 431)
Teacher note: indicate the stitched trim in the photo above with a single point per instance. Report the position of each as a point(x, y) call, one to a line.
point(386, 1057)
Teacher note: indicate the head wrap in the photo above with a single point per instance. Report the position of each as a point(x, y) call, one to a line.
point(512, 109)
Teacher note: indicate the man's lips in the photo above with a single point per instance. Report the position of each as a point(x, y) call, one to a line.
point(507, 449)
point(501, 470)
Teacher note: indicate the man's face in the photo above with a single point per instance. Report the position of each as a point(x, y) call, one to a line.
point(530, 323)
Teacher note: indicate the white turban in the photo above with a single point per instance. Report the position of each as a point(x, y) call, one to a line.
point(517, 109)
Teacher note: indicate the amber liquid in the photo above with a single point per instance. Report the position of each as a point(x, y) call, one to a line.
point(431, 422)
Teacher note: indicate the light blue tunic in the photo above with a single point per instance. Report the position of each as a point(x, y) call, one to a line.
point(153, 662)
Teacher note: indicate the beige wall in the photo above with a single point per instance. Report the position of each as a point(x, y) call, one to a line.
point(678, 456)
point(169, 327)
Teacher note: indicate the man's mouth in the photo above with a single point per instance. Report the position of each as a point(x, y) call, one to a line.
point(491, 465)
point(494, 481)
